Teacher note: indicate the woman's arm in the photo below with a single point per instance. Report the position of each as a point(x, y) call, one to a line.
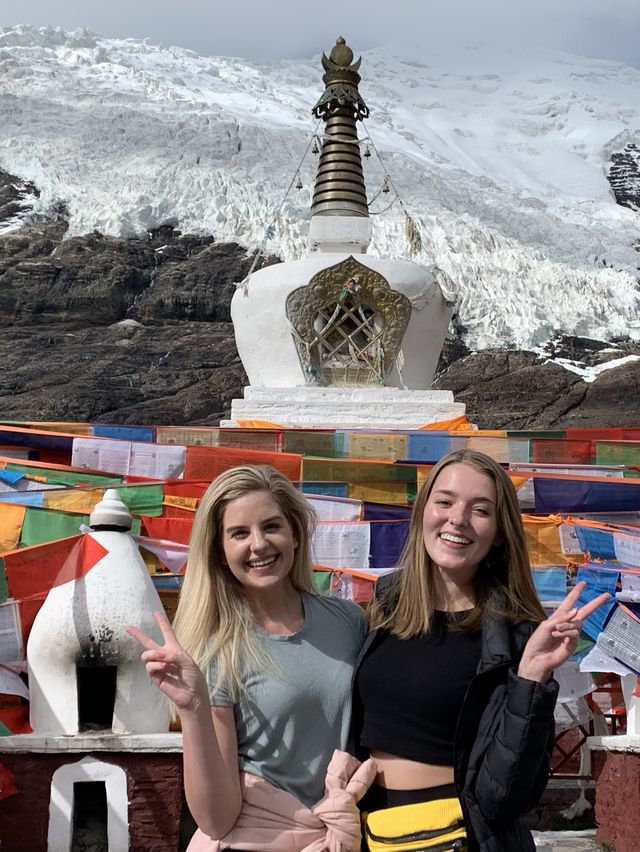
point(211, 776)
point(209, 740)
point(515, 766)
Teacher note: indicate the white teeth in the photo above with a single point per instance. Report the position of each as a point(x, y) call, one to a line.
point(261, 563)
point(456, 539)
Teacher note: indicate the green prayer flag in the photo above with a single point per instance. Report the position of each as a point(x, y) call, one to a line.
point(41, 525)
point(4, 589)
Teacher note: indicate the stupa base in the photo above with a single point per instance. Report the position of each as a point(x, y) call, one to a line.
point(343, 408)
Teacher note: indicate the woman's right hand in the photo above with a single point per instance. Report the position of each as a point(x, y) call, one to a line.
point(171, 669)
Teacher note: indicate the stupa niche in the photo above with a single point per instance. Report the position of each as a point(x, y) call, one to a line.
point(339, 337)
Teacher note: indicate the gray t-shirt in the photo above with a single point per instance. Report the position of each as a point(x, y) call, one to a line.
point(290, 719)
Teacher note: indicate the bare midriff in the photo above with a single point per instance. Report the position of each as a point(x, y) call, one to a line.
point(398, 773)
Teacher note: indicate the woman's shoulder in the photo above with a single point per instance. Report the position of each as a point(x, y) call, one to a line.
point(338, 609)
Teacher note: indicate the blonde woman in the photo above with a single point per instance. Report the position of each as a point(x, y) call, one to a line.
point(258, 666)
point(454, 695)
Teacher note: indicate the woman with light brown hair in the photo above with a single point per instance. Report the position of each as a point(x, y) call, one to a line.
point(454, 694)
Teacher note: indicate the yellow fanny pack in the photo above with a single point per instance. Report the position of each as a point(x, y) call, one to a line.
point(436, 826)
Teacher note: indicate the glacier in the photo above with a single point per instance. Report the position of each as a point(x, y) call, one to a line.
point(499, 156)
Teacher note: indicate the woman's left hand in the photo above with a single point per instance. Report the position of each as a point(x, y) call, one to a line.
point(556, 638)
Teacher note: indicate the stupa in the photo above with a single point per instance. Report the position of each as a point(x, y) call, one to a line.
point(101, 769)
point(341, 338)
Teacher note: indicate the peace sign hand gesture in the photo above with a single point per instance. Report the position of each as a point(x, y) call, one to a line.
point(171, 669)
point(556, 638)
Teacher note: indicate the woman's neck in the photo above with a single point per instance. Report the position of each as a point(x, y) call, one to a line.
point(454, 597)
point(281, 613)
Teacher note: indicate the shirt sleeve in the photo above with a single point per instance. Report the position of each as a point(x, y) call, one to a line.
point(357, 618)
point(218, 697)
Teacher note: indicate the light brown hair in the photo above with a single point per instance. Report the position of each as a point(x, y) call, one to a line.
point(503, 583)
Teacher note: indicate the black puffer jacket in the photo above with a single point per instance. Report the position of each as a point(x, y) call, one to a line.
point(503, 742)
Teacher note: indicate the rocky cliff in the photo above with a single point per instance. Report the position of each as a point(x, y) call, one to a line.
point(99, 328)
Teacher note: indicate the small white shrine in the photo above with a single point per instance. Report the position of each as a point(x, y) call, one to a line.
point(103, 770)
point(338, 337)
point(92, 658)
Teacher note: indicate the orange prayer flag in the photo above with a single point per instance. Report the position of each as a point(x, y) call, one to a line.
point(258, 424)
point(11, 518)
point(454, 424)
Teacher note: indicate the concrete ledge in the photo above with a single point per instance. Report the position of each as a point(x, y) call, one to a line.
point(622, 742)
point(565, 841)
point(35, 743)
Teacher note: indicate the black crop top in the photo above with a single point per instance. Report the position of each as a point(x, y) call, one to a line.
point(409, 692)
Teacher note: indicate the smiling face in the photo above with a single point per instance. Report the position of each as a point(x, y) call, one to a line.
point(258, 542)
point(459, 523)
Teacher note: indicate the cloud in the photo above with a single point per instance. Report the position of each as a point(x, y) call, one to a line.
point(289, 29)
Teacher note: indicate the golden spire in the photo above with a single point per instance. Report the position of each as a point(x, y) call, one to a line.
point(339, 188)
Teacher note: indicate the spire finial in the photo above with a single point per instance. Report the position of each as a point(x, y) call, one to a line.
point(340, 189)
point(341, 54)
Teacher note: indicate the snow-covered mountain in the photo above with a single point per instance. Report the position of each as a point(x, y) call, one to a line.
point(500, 158)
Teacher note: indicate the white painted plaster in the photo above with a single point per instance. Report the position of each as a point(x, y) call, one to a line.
point(140, 743)
point(632, 702)
point(334, 407)
point(339, 234)
point(619, 742)
point(263, 336)
point(115, 593)
point(61, 803)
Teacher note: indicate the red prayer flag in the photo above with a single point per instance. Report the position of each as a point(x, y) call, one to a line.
point(32, 571)
point(209, 462)
point(7, 787)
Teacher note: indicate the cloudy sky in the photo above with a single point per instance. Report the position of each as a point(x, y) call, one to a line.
point(289, 28)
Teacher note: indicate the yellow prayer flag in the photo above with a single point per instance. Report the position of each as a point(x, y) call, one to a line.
point(11, 518)
point(543, 540)
point(73, 500)
point(188, 503)
point(394, 493)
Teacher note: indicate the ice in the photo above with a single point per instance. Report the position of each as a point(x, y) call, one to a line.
point(500, 157)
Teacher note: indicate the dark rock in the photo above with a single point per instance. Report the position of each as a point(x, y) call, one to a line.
point(624, 176)
point(512, 389)
point(520, 390)
point(175, 373)
point(99, 328)
point(193, 282)
point(612, 399)
point(453, 349)
point(14, 196)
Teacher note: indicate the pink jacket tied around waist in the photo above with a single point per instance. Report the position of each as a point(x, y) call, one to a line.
point(272, 820)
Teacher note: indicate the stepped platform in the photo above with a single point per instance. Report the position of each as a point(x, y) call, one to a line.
point(348, 408)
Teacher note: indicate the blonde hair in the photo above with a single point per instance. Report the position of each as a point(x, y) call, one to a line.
point(213, 621)
point(503, 583)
